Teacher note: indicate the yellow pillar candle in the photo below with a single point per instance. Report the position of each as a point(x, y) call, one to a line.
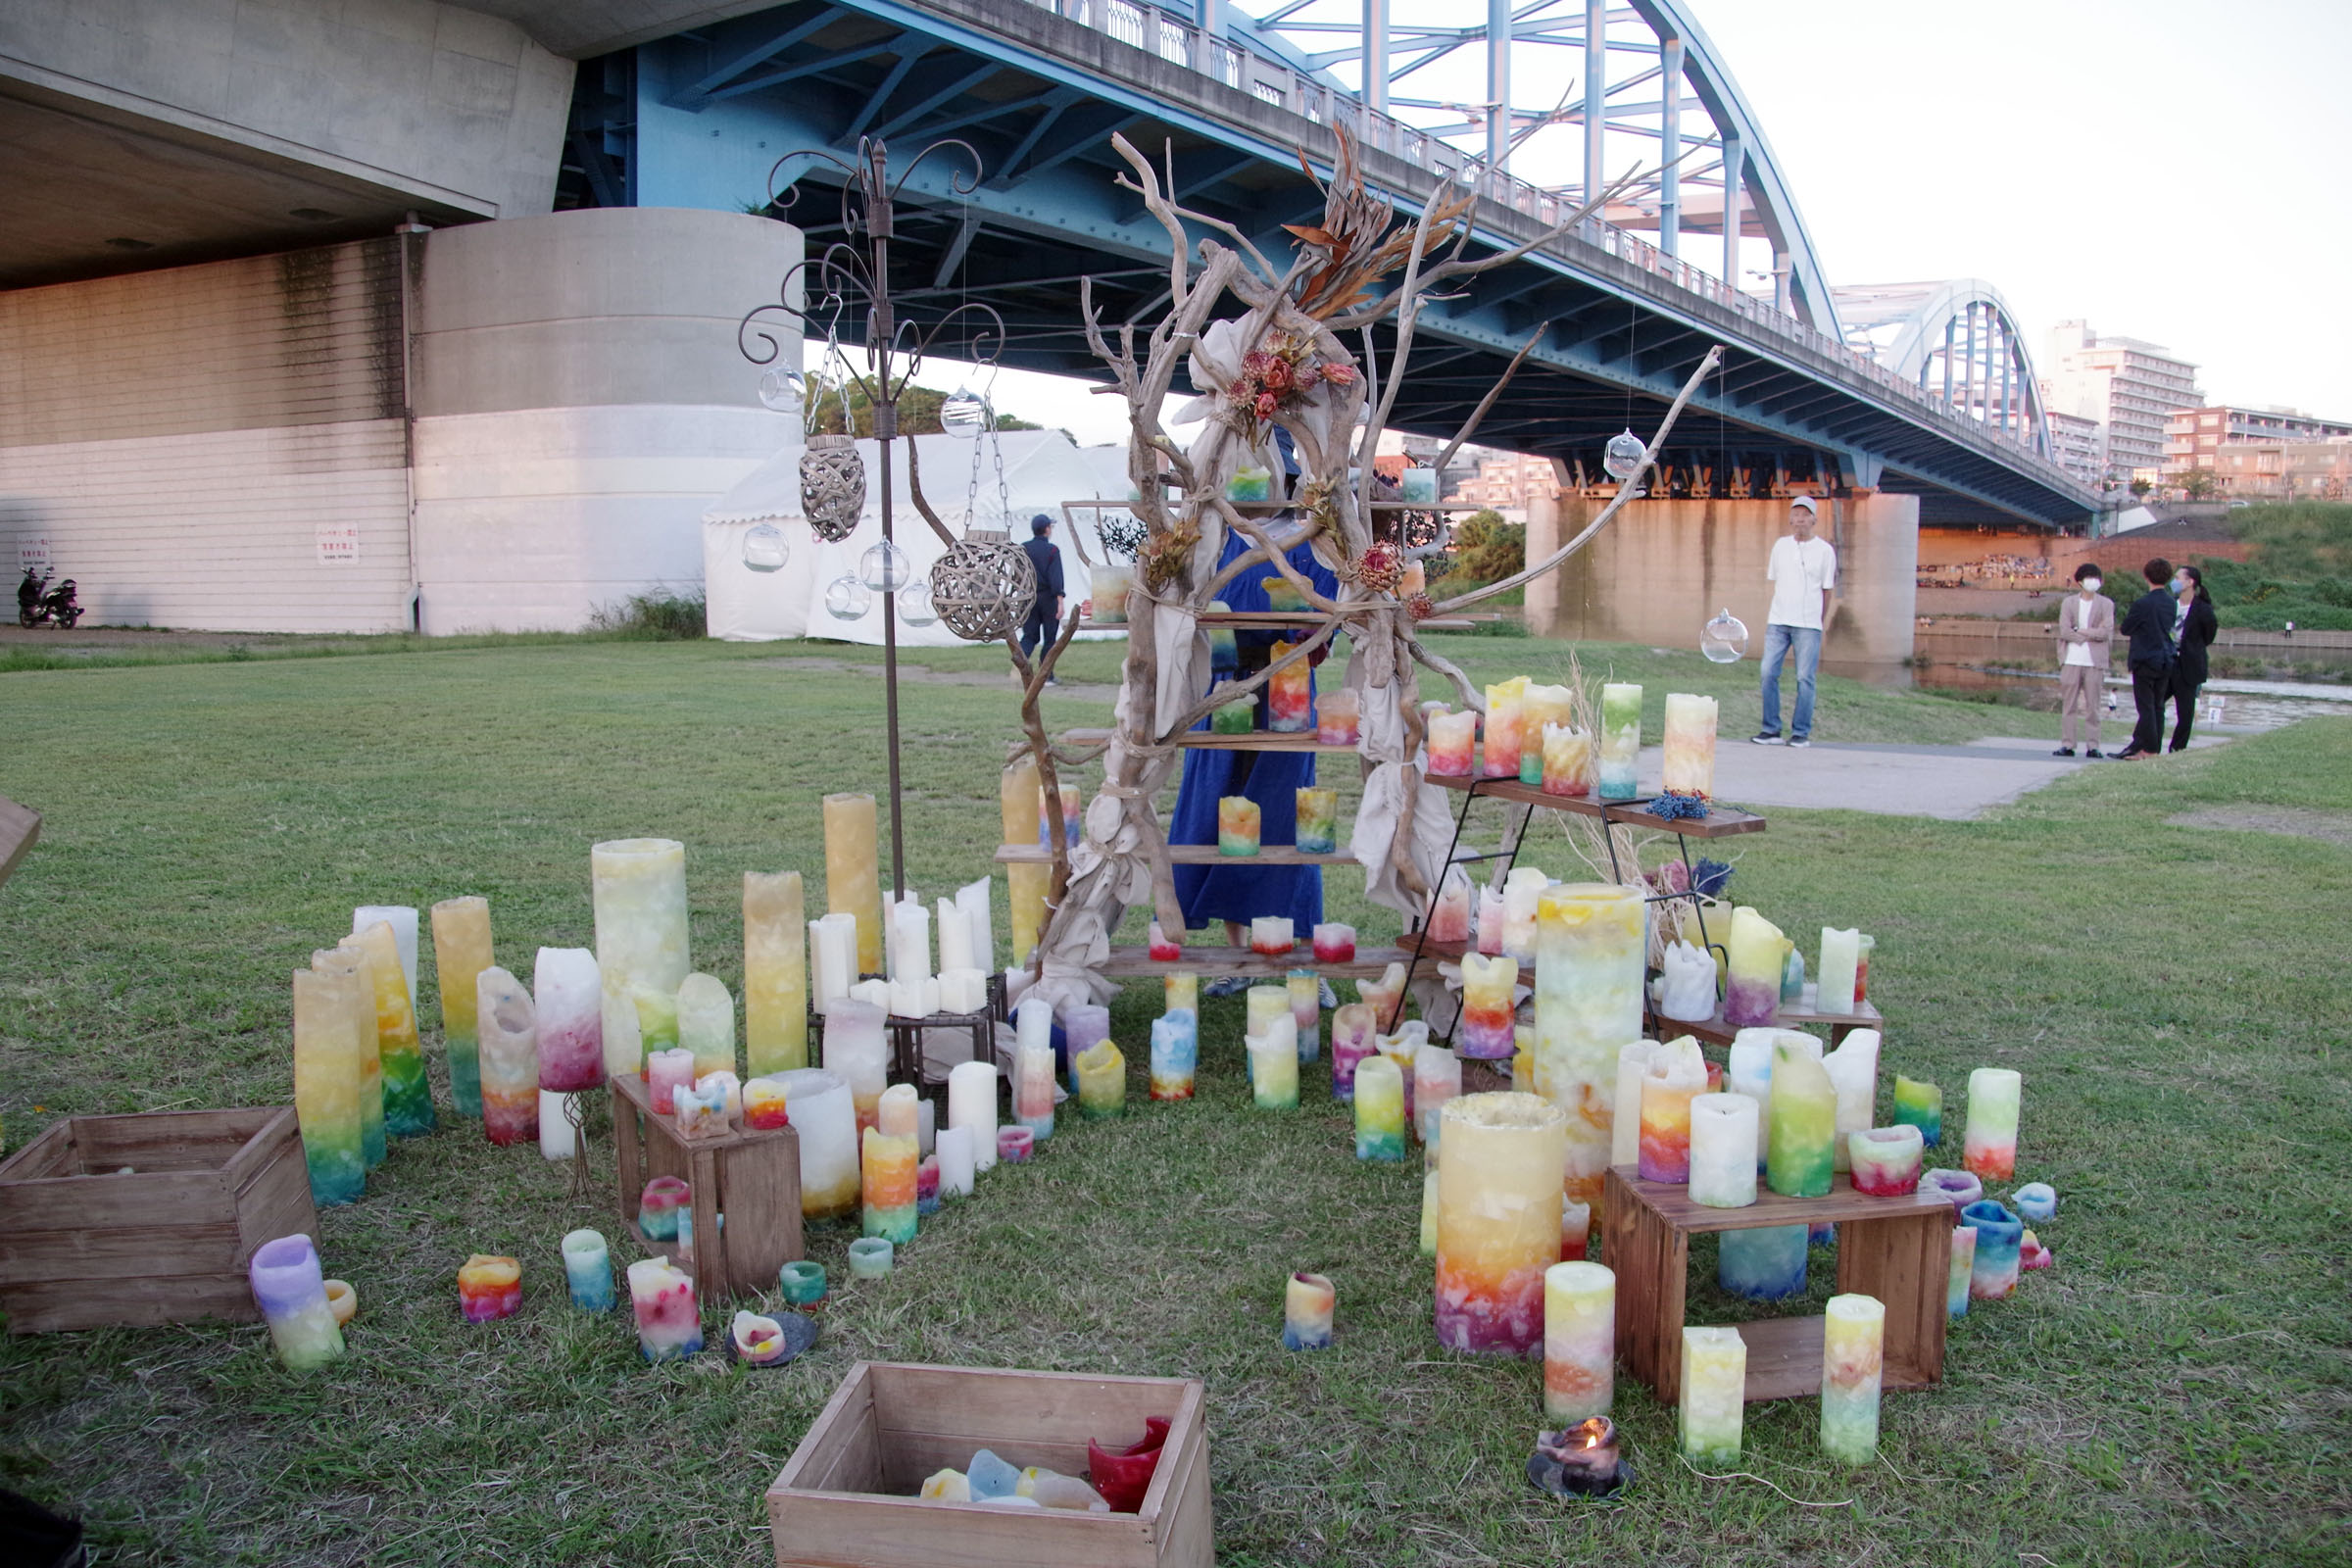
point(1714, 1403)
point(1990, 1148)
point(1274, 1062)
point(1591, 940)
point(852, 882)
point(1569, 761)
point(775, 972)
point(1503, 731)
point(407, 1097)
point(1539, 705)
point(1021, 797)
point(639, 889)
point(706, 1023)
point(347, 974)
point(1498, 1219)
point(461, 952)
point(1238, 818)
point(1580, 1341)
point(1378, 1109)
point(1689, 752)
point(326, 1087)
point(1102, 1080)
point(1751, 996)
point(1852, 1365)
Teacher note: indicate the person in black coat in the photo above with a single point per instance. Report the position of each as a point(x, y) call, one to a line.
point(1044, 621)
point(2195, 626)
point(2149, 626)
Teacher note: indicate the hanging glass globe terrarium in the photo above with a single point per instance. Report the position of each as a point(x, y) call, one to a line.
point(884, 567)
point(783, 389)
point(1622, 458)
point(1724, 639)
point(964, 414)
point(915, 605)
point(848, 599)
point(763, 548)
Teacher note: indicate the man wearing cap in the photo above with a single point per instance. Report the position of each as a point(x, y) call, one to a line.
point(1802, 572)
point(1044, 611)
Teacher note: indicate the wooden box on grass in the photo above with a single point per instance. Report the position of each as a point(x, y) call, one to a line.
point(84, 1245)
point(751, 1175)
point(848, 1496)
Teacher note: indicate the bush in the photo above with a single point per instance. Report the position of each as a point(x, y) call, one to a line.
point(654, 617)
point(2297, 541)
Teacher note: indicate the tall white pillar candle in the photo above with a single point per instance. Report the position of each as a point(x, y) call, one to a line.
point(1625, 1129)
point(955, 937)
point(956, 1160)
point(972, 1104)
point(980, 920)
point(1723, 1150)
point(1834, 987)
point(833, 943)
point(1853, 1069)
point(638, 887)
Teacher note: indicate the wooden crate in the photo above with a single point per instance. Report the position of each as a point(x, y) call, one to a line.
point(847, 1498)
point(82, 1246)
point(20, 831)
point(1898, 1250)
point(750, 1175)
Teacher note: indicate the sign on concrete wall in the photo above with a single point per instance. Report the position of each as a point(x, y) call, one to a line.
point(32, 553)
point(338, 544)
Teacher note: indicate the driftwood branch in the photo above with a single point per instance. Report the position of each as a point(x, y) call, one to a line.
point(914, 488)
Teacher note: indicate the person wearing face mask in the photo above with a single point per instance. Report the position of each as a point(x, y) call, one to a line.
point(2149, 626)
point(2085, 626)
point(2195, 626)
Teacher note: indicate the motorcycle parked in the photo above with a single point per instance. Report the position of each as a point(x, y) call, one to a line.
point(38, 604)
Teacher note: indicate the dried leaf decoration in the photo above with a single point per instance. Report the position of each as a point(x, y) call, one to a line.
point(1359, 237)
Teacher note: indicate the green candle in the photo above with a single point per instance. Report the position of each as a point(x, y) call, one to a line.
point(1804, 1125)
point(1918, 1104)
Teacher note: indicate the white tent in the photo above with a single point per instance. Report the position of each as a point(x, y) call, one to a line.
point(1041, 470)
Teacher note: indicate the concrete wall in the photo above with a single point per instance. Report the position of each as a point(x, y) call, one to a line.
point(1662, 569)
point(580, 399)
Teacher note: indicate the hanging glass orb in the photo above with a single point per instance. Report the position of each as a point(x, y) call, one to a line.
point(848, 599)
point(914, 604)
point(884, 567)
point(963, 413)
point(1724, 639)
point(1623, 456)
point(783, 389)
point(763, 548)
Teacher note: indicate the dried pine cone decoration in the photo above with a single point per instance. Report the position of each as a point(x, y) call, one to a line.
point(1420, 606)
point(1380, 569)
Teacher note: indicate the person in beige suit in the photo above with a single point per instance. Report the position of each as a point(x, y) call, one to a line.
point(2085, 626)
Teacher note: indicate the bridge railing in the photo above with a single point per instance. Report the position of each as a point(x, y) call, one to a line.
point(1178, 40)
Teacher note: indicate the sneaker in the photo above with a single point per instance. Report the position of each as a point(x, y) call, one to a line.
point(1768, 738)
point(1226, 985)
point(1324, 994)
point(2130, 754)
point(1052, 680)
point(1799, 742)
point(2067, 751)
point(2095, 751)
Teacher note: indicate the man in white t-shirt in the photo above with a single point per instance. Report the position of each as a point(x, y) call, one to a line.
point(1802, 572)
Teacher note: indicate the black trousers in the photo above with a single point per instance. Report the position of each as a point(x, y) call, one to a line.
point(1037, 629)
point(2150, 686)
point(2184, 710)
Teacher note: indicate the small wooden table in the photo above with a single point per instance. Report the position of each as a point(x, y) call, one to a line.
point(1898, 1250)
point(1798, 1016)
point(753, 1175)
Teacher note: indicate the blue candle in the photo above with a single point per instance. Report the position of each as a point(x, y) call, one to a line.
point(588, 1270)
point(1999, 1232)
point(1175, 1054)
point(1763, 1265)
point(2036, 1202)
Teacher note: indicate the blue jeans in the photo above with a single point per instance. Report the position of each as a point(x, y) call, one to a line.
point(1778, 640)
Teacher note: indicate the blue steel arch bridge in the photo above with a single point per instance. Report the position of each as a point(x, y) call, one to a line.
point(1533, 104)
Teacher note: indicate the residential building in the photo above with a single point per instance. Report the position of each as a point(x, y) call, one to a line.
point(1507, 481)
point(2077, 444)
point(2193, 438)
point(2282, 471)
point(2128, 386)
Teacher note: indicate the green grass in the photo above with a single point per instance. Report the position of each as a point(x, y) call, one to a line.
point(2175, 1391)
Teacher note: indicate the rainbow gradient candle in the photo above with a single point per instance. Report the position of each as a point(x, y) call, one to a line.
point(1752, 995)
point(1834, 988)
point(1306, 1308)
point(1498, 1219)
point(1378, 1109)
point(766, 1104)
point(1180, 991)
point(1452, 739)
point(1852, 1339)
point(1886, 1160)
point(1688, 761)
point(568, 996)
point(289, 1287)
point(348, 985)
point(1175, 1054)
point(1853, 1069)
point(1450, 912)
point(1318, 809)
point(825, 1115)
point(1333, 943)
point(1274, 1065)
point(669, 1320)
point(1305, 989)
point(1291, 694)
point(890, 1186)
point(1539, 707)
point(1101, 1081)
point(1489, 1003)
point(1570, 761)
point(1018, 796)
point(408, 1097)
point(1437, 1079)
point(656, 1022)
point(639, 891)
point(1164, 949)
point(1964, 1264)
point(1503, 733)
point(508, 1028)
point(701, 1109)
point(588, 1270)
point(489, 1288)
point(1676, 1074)
point(1033, 1085)
point(706, 1023)
point(1590, 942)
point(1339, 718)
point(1992, 1272)
point(1353, 1039)
point(1723, 1150)
point(666, 1073)
point(461, 952)
point(775, 974)
point(1919, 1103)
point(853, 881)
point(1385, 997)
point(1237, 826)
point(326, 1089)
point(1580, 1341)
point(1620, 741)
point(1803, 1114)
point(660, 1204)
point(1765, 1264)
point(1273, 936)
point(1714, 1398)
point(1990, 1147)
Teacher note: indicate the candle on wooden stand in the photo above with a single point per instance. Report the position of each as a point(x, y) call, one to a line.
point(1625, 1132)
point(1290, 692)
point(1272, 935)
point(910, 934)
point(656, 1021)
point(1490, 921)
point(326, 1089)
point(669, 1320)
point(348, 984)
point(858, 1053)
point(1538, 708)
point(1620, 741)
point(1175, 1054)
point(1498, 1219)
point(1317, 810)
point(1990, 1150)
point(853, 876)
point(1919, 1103)
point(1019, 795)
point(638, 887)
point(1489, 1001)
point(972, 1104)
point(461, 952)
point(1102, 1080)
point(833, 947)
point(1163, 948)
point(510, 1057)
point(775, 974)
point(1853, 1334)
point(1237, 826)
point(1687, 993)
point(1451, 742)
point(1450, 912)
point(1590, 947)
point(1333, 943)
point(1677, 1073)
point(1799, 1162)
point(1522, 894)
point(1306, 1310)
point(1580, 1341)
point(1723, 1150)
point(1274, 1063)
point(1571, 762)
point(1503, 731)
point(407, 1097)
point(824, 1114)
point(1853, 1069)
point(489, 1288)
point(1752, 996)
point(706, 1023)
point(289, 1287)
point(890, 1184)
point(1385, 997)
point(1338, 718)
point(1378, 1109)
point(1688, 759)
point(963, 991)
point(666, 1073)
point(1353, 1039)
point(701, 1109)
point(1714, 1396)
point(767, 1103)
point(1992, 1273)
point(1834, 977)
point(1886, 1160)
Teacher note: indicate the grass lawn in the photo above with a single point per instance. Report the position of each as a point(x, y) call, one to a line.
point(2175, 1391)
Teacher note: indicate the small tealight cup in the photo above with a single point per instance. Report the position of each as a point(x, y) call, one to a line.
point(343, 1302)
point(1886, 1160)
point(803, 1284)
point(1960, 1188)
point(1013, 1145)
point(871, 1259)
point(2036, 1201)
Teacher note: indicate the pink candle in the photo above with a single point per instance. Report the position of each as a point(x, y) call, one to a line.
point(666, 1073)
point(1450, 743)
point(1335, 718)
point(1449, 917)
point(1490, 921)
point(1272, 935)
point(1503, 732)
point(1354, 1037)
point(1334, 943)
point(1013, 1144)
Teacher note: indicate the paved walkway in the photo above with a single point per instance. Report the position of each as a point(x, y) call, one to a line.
point(1954, 782)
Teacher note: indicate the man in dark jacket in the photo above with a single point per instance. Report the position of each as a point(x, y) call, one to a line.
point(1044, 611)
point(2149, 626)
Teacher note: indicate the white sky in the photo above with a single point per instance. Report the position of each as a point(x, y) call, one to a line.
point(2166, 171)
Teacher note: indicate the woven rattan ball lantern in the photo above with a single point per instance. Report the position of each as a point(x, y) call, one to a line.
point(982, 587)
point(832, 486)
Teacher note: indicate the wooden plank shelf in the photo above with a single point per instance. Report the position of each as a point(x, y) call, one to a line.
point(1721, 821)
point(1715, 1031)
point(1191, 854)
point(1136, 963)
point(20, 831)
point(1256, 740)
